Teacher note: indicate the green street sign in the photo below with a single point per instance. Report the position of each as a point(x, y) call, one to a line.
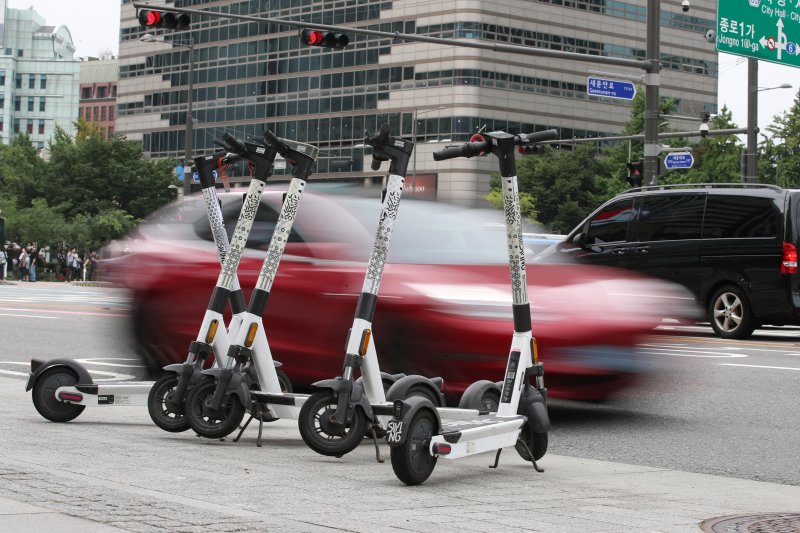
point(763, 29)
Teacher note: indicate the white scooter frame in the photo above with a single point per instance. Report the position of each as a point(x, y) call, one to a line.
point(419, 433)
point(62, 387)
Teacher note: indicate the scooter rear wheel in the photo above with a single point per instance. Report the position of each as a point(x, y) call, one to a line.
point(536, 442)
point(162, 415)
point(317, 432)
point(412, 461)
point(44, 395)
point(212, 427)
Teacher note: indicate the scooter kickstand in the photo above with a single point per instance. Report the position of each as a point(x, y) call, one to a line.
point(239, 436)
point(530, 454)
point(260, 427)
point(375, 442)
point(496, 459)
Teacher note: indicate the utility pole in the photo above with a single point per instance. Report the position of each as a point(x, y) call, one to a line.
point(652, 82)
point(750, 160)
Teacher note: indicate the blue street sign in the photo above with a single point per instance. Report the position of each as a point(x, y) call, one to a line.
point(679, 160)
point(624, 90)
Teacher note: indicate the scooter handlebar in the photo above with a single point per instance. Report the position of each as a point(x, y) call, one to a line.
point(464, 150)
point(276, 142)
point(539, 136)
point(232, 144)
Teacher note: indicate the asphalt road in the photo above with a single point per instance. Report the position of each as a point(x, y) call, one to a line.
point(711, 406)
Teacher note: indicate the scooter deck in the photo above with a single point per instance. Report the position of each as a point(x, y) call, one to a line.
point(478, 434)
point(279, 398)
point(122, 394)
point(478, 421)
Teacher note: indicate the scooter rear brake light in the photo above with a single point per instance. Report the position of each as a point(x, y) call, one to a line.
point(70, 397)
point(440, 448)
point(789, 259)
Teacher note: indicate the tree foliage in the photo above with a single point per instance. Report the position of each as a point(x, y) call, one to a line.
point(781, 153)
point(89, 191)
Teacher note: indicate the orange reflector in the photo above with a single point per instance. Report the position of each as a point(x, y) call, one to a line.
point(251, 335)
point(534, 351)
point(365, 336)
point(212, 331)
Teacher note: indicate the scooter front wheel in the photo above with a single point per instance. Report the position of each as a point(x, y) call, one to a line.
point(535, 442)
point(412, 461)
point(163, 416)
point(205, 425)
point(44, 395)
point(319, 433)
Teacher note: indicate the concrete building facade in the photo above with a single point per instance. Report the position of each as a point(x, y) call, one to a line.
point(98, 86)
point(249, 75)
point(38, 77)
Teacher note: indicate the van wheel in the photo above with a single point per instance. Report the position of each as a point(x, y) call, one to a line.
point(729, 313)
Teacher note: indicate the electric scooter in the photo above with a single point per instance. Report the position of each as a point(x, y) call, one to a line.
point(334, 419)
point(217, 405)
point(62, 388)
point(419, 431)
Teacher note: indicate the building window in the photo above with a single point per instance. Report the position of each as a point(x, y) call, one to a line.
point(103, 114)
point(17, 103)
point(41, 127)
point(111, 113)
point(16, 125)
point(42, 104)
point(18, 81)
point(101, 92)
point(2, 78)
point(30, 103)
point(1, 125)
point(94, 114)
point(30, 128)
point(32, 81)
point(2, 102)
point(86, 93)
point(43, 84)
point(110, 129)
point(20, 52)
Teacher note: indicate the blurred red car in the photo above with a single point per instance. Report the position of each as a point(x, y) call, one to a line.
point(444, 307)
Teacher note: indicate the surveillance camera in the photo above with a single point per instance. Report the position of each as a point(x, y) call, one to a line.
point(703, 130)
point(711, 35)
point(685, 5)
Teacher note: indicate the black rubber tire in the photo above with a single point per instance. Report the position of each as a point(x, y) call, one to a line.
point(322, 404)
point(729, 313)
point(233, 411)
point(412, 462)
point(44, 395)
point(161, 415)
point(423, 391)
point(482, 395)
point(537, 444)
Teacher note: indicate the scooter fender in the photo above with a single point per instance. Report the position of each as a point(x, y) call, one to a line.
point(533, 405)
point(399, 388)
point(38, 367)
point(236, 385)
point(357, 396)
point(404, 411)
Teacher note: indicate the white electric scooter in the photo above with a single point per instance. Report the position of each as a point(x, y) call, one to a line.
point(419, 432)
point(334, 419)
point(62, 388)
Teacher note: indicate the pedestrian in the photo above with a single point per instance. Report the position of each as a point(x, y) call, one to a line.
point(24, 264)
point(3, 263)
point(91, 266)
point(33, 257)
point(72, 265)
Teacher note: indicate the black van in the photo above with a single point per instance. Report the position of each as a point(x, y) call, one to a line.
point(734, 246)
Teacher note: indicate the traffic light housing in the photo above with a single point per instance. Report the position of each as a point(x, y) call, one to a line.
point(635, 173)
point(329, 39)
point(160, 19)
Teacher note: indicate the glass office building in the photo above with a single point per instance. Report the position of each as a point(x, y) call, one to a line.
point(252, 75)
point(38, 77)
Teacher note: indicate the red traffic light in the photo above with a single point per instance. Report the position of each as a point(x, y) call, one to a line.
point(327, 39)
point(158, 19)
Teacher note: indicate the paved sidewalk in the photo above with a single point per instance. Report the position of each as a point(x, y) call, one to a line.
point(112, 470)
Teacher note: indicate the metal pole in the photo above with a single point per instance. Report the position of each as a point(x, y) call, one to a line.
point(414, 163)
point(652, 82)
point(750, 156)
point(187, 167)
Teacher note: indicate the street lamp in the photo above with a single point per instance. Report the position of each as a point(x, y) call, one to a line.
point(187, 163)
point(749, 167)
point(417, 111)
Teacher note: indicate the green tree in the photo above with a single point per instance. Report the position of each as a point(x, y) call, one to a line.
point(781, 154)
point(717, 159)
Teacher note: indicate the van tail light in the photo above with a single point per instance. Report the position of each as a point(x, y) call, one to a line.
point(789, 259)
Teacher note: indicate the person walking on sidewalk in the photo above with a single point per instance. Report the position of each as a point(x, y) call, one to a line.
point(72, 265)
point(33, 255)
point(24, 264)
point(3, 262)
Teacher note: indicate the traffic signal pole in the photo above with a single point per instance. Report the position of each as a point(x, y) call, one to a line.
point(651, 65)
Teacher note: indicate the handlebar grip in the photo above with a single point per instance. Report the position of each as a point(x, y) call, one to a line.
point(376, 164)
point(465, 150)
point(233, 144)
point(540, 136)
point(276, 142)
point(381, 138)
